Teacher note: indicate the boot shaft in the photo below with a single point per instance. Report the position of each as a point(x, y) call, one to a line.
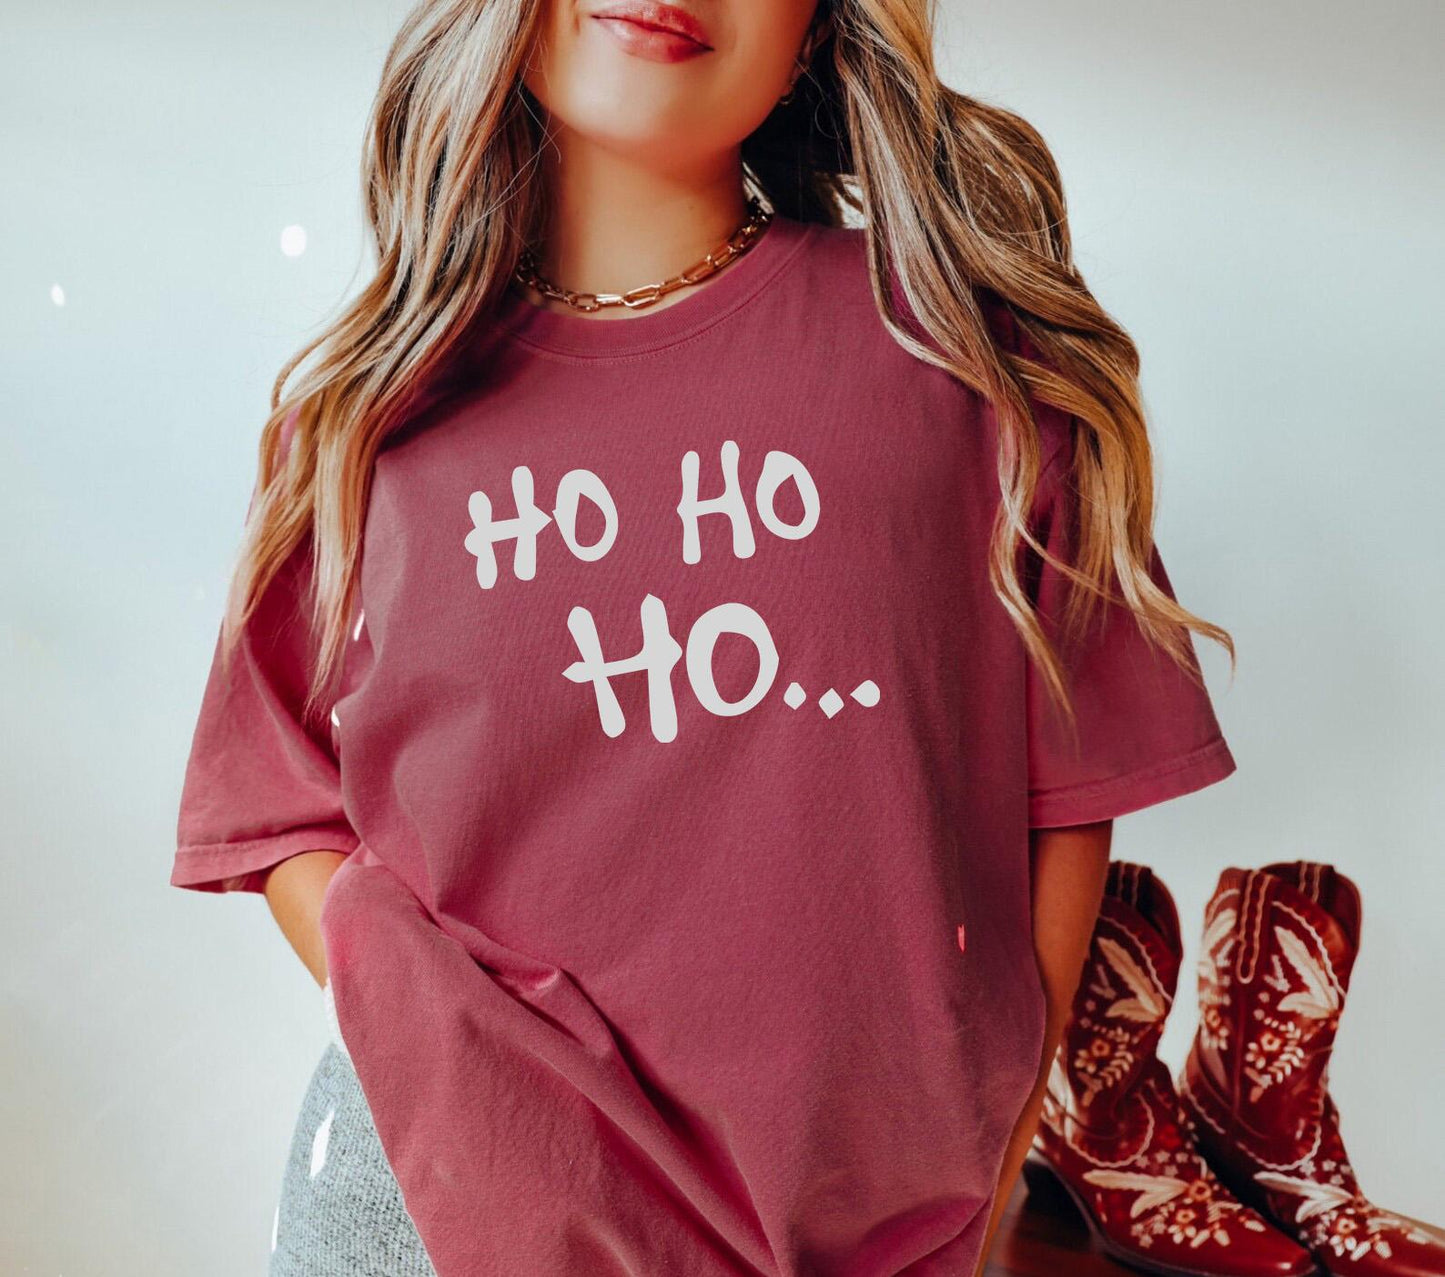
point(1125, 991)
point(1279, 945)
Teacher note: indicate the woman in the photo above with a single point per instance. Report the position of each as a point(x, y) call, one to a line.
point(683, 731)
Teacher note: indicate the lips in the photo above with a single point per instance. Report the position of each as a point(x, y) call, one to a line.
point(661, 32)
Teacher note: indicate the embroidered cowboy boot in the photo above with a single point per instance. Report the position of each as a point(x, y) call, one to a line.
point(1112, 1134)
point(1279, 944)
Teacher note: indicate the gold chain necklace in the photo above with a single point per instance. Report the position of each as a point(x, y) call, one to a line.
point(732, 248)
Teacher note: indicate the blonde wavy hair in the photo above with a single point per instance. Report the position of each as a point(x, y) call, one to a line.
point(962, 207)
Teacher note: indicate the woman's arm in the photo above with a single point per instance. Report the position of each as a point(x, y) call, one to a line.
point(294, 889)
point(1070, 865)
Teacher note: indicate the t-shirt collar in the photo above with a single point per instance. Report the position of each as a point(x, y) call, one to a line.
point(645, 330)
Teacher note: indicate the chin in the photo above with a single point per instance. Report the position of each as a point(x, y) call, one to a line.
point(660, 126)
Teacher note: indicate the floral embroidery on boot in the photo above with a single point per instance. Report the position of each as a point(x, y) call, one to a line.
point(1112, 1132)
point(1279, 945)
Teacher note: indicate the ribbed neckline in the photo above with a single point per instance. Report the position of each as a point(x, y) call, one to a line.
point(581, 336)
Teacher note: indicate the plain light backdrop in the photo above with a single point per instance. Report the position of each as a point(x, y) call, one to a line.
point(1256, 192)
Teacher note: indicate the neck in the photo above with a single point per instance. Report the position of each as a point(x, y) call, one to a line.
point(614, 225)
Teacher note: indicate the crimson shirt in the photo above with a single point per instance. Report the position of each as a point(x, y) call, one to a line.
point(686, 761)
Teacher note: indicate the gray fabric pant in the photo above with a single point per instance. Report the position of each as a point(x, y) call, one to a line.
point(341, 1212)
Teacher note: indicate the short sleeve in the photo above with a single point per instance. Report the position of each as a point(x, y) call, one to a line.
point(1146, 732)
point(260, 784)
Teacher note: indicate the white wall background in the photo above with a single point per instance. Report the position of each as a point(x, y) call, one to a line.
point(1256, 191)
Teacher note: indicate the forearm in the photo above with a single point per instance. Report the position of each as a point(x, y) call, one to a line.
point(1069, 866)
point(294, 889)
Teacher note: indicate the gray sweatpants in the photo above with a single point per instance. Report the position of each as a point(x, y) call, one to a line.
point(341, 1212)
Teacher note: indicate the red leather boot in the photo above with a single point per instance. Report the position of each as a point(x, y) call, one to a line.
point(1279, 944)
point(1112, 1134)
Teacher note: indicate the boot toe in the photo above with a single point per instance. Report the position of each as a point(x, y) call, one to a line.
point(1406, 1259)
point(1273, 1254)
point(1300, 1264)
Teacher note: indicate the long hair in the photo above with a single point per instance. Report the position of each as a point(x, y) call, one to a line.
point(962, 207)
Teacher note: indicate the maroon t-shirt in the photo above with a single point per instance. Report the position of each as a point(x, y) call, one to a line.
point(686, 762)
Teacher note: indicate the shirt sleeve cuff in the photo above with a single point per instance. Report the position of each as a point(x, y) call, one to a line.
point(242, 866)
point(1119, 795)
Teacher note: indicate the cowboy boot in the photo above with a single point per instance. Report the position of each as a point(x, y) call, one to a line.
point(1279, 945)
point(1112, 1134)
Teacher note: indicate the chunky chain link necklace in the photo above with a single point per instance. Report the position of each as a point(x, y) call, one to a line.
point(732, 248)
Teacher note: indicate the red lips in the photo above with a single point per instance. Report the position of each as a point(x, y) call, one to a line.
point(659, 32)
